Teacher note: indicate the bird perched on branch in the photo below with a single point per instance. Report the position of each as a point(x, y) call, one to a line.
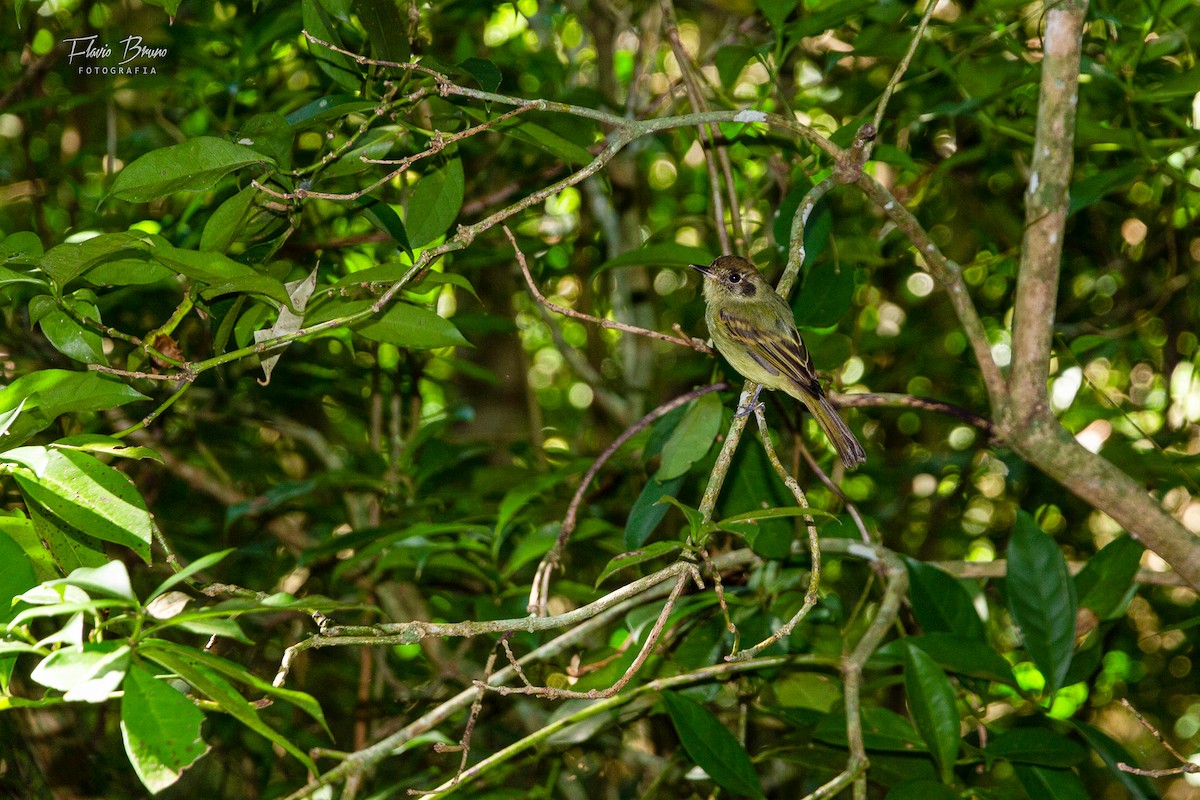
point(754, 329)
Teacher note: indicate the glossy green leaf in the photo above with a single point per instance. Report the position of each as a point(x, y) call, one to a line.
point(202, 563)
point(729, 62)
point(941, 603)
point(89, 673)
point(68, 336)
point(711, 746)
point(954, 653)
point(48, 393)
point(270, 134)
point(692, 438)
point(21, 247)
point(825, 296)
point(544, 138)
point(160, 727)
point(190, 166)
point(1104, 583)
point(932, 705)
point(237, 672)
point(226, 224)
point(776, 11)
point(190, 665)
point(86, 494)
point(634, 557)
point(385, 219)
point(1113, 754)
point(485, 73)
point(1091, 190)
point(66, 262)
point(108, 445)
point(434, 203)
point(207, 267)
point(1040, 746)
point(329, 107)
point(138, 270)
point(9, 277)
point(385, 29)
point(413, 328)
point(882, 730)
point(1045, 783)
point(336, 65)
point(921, 790)
point(111, 579)
point(1041, 597)
point(67, 548)
point(647, 512)
point(18, 574)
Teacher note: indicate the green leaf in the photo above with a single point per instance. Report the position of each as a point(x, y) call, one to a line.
point(1040, 746)
point(882, 730)
point(1090, 190)
point(67, 548)
point(519, 496)
point(192, 667)
point(136, 271)
point(413, 328)
point(543, 138)
point(825, 296)
point(1041, 597)
point(207, 267)
point(261, 285)
point(931, 703)
point(1138, 786)
point(648, 553)
point(385, 219)
point(1104, 583)
point(67, 336)
point(48, 393)
point(237, 672)
point(191, 166)
point(692, 438)
point(329, 107)
point(202, 563)
point(696, 524)
point(110, 446)
point(954, 653)
point(228, 221)
point(68, 261)
point(18, 574)
point(111, 579)
point(711, 746)
point(729, 62)
point(921, 789)
point(647, 511)
point(777, 11)
point(385, 29)
point(86, 494)
point(1045, 783)
point(160, 728)
point(22, 247)
point(270, 134)
point(89, 673)
point(336, 65)
point(941, 603)
point(434, 203)
point(485, 73)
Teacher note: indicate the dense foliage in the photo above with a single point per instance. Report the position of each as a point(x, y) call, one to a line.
point(321, 408)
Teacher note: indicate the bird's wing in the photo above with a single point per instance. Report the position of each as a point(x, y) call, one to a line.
point(783, 353)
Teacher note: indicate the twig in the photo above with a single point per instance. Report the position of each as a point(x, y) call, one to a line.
point(540, 590)
point(1186, 767)
point(812, 595)
point(695, 344)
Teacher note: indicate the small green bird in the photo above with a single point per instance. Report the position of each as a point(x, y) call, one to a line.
point(754, 329)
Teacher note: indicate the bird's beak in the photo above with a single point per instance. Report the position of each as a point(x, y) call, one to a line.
point(703, 270)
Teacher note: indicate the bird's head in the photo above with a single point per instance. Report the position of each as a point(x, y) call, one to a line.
point(733, 278)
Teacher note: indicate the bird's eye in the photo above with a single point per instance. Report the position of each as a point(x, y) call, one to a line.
point(735, 278)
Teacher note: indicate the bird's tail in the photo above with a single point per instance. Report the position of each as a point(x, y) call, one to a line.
point(838, 431)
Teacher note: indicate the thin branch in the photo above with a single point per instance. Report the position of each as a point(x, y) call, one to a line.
point(539, 593)
point(695, 344)
point(812, 595)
